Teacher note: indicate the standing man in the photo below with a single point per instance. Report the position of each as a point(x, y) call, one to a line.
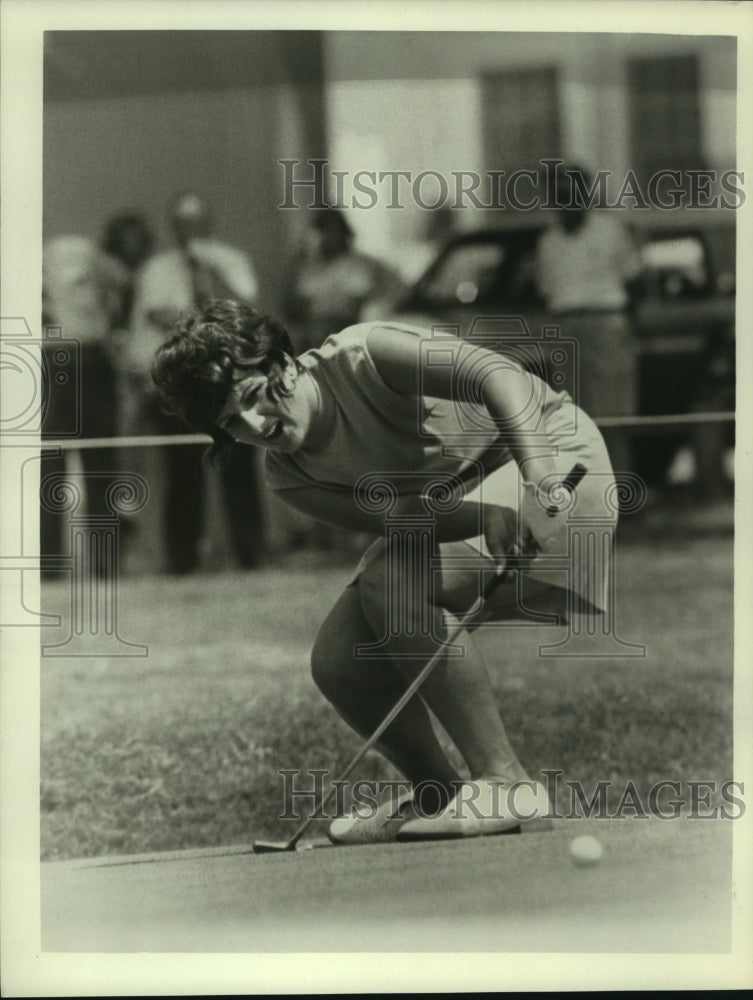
point(331, 282)
point(197, 269)
point(586, 267)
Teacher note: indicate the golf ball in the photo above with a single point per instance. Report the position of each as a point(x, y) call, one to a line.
point(586, 851)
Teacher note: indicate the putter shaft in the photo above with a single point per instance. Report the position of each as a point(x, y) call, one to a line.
point(267, 847)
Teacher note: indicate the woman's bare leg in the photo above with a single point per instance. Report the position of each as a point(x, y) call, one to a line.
point(458, 691)
point(364, 690)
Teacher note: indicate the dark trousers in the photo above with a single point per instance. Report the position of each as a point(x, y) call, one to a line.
point(183, 515)
point(81, 404)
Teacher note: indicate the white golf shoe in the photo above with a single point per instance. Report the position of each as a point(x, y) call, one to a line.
point(377, 827)
point(483, 807)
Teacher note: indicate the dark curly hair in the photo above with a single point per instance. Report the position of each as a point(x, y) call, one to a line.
point(194, 370)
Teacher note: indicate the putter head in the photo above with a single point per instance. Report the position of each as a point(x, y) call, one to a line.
point(275, 846)
point(272, 846)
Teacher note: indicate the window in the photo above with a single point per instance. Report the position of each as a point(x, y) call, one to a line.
point(520, 112)
point(496, 271)
point(466, 274)
point(664, 115)
point(676, 267)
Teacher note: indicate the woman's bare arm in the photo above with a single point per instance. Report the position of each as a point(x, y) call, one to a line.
point(341, 510)
point(512, 396)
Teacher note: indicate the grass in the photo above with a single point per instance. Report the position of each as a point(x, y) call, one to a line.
point(183, 748)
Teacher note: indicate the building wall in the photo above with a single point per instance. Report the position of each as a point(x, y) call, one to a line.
point(413, 101)
point(130, 118)
point(104, 155)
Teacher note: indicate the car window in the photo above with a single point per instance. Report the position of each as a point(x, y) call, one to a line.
point(466, 274)
point(494, 272)
point(675, 267)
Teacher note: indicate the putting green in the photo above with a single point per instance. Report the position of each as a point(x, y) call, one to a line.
point(661, 887)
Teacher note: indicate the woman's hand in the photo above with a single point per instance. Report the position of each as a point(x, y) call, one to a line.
point(543, 524)
point(500, 530)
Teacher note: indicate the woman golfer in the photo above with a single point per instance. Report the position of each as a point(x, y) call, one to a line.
point(387, 429)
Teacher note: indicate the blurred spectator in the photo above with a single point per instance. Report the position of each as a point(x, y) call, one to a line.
point(713, 443)
point(414, 257)
point(331, 285)
point(330, 282)
point(585, 265)
point(74, 298)
point(127, 242)
point(197, 269)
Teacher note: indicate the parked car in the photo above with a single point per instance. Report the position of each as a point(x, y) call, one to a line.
point(683, 307)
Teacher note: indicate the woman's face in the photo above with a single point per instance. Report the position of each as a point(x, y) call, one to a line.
point(253, 416)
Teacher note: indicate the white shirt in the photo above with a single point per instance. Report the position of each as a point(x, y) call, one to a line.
point(73, 290)
point(165, 283)
point(586, 269)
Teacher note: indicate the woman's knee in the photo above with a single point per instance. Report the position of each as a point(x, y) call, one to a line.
point(371, 590)
point(325, 662)
point(333, 650)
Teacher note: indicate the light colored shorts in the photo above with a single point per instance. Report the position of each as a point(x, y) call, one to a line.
point(577, 574)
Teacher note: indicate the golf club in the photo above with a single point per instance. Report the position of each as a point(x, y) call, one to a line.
point(501, 576)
